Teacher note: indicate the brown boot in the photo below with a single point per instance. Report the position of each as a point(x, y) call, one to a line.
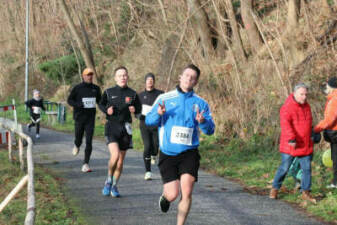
point(306, 196)
point(273, 193)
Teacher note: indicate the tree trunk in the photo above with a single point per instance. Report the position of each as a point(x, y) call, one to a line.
point(220, 44)
point(294, 7)
point(86, 53)
point(221, 29)
point(326, 8)
point(248, 20)
point(167, 56)
point(237, 41)
point(199, 20)
point(163, 11)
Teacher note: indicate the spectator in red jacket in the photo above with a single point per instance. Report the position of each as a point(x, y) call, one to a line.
point(295, 140)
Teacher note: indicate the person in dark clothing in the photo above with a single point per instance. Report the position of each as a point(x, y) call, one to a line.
point(83, 98)
point(35, 105)
point(118, 103)
point(149, 133)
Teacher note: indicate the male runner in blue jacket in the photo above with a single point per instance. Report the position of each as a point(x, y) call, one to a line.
point(180, 114)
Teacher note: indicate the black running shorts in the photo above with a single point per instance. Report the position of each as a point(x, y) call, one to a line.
point(116, 132)
point(172, 167)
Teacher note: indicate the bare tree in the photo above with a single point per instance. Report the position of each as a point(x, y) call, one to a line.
point(326, 8)
point(294, 7)
point(248, 20)
point(163, 11)
point(237, 41)
point(199, 21)
point(83, 46)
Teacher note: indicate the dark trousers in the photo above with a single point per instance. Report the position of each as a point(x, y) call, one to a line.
point(150, 141)
point(334, 160)
point(34, 118)
point(86, 125)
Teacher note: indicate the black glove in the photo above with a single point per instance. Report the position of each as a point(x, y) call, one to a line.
point(316, 137)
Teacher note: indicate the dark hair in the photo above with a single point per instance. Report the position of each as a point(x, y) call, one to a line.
point(120, 68)
point(193, 67)
point(149, 75)
point(332, 82)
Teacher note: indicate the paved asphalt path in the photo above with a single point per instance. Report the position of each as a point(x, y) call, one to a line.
point(215, 200)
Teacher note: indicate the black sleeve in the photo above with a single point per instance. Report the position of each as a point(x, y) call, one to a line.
point(99, 95)
point(72, 99)
point(42, 106)
point(140, 95)
point(138, 105)
point(28, 103)
point(103, 102)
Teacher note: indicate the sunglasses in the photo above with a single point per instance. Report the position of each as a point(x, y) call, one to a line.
point(89, 74)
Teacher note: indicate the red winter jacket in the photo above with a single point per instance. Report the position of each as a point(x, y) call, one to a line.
point(296, 122)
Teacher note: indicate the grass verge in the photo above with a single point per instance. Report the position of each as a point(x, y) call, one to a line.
point(254, 162)
point(52, 207)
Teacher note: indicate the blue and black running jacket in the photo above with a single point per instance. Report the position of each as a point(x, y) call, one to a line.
point(178, 128)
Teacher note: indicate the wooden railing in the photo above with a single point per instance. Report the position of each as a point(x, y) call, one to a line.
point(29, 178)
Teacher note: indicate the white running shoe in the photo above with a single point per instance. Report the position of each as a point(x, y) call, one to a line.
point(37, 136)
point(153, 160)
point(86, 168)
point(75, 150)
point(148, 176)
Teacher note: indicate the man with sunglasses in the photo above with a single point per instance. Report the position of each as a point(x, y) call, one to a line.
point(83, 99)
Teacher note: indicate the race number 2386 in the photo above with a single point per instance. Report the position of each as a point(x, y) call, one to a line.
point(181, 135)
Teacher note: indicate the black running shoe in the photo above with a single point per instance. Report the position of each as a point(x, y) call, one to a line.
point(164, 205)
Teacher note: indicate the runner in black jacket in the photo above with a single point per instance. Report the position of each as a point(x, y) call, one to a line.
point(118, 103)
point(83, 98)
point(35, 105)
point(149, 133)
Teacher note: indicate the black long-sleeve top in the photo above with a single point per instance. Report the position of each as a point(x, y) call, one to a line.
point(83, 98)
point(34, 103)
point(120, 99)
point(147, 99)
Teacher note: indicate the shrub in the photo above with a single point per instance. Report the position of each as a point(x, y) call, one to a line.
point(61, 70)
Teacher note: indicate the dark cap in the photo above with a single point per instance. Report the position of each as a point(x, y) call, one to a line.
point(332, 82)
point(149, 75)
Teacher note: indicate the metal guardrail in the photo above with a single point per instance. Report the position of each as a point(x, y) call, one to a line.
point(56, 109)
point(29, 178)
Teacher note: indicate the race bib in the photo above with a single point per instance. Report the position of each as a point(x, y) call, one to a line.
point(181, 135)
point(89, 102)
point(36, 110)
point(146, 109)
point(128, 128)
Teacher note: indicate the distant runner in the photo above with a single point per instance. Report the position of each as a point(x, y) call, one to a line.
point(149, 133)
point(83, 99)
point(35, 106)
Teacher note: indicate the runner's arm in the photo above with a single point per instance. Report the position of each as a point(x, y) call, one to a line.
point(99, 95)
point(208, 126)
point(72, 99)
point(102, 105)
point(138, 106)
point(42, 106)
point(153, 118)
